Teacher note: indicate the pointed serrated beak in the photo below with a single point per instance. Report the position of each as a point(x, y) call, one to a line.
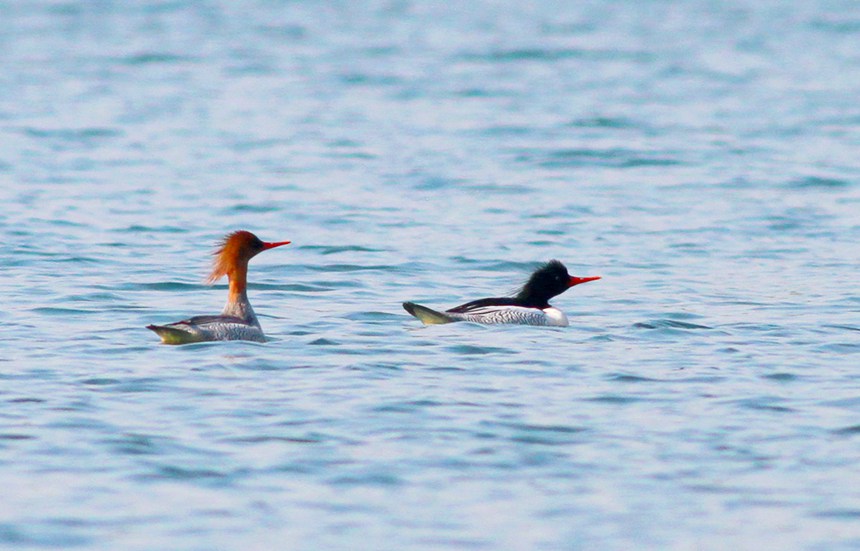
point(267, 246)
point(577, 280)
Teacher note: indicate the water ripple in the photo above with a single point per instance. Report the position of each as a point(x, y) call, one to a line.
point(412, 150)
point(668, 324)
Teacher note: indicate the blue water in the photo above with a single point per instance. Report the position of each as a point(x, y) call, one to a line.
point(703, 157)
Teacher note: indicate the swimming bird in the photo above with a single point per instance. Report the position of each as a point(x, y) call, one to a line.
point(237, 321)
point(530, 306)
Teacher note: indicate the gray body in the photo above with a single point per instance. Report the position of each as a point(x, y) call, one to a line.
point(237, 322)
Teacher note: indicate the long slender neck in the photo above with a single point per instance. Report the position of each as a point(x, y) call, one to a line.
point(238, 304)
point(238, 277)
point(527, 298)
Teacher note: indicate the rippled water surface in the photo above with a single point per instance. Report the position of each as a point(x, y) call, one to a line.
point(701, 156)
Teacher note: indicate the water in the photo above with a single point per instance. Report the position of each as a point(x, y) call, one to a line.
point(700, 156)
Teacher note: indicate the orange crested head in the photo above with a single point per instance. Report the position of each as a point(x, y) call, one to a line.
point(234, 252)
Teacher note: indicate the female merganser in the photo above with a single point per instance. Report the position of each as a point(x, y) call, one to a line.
point(237, 322)
point(530, 306)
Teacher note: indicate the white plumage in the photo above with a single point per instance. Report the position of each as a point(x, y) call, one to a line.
point(513, 315)
point(530, 306)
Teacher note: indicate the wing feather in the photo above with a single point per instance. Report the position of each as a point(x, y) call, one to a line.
point(469, 307)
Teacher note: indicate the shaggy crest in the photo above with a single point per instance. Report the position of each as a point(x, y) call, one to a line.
point(235, 249)
point(553, 269)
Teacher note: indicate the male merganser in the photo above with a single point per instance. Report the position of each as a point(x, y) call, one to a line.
point(237, 321)
point(530, 306)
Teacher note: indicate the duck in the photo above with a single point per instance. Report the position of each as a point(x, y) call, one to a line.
point(237, 320)
point(529, 306)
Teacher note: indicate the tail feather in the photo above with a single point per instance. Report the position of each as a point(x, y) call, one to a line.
point(427, 316)
point(172, 335)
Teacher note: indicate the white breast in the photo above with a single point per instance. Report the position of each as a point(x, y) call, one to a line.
point(555, 317)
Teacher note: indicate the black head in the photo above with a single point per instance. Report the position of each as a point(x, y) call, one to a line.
point(549, 280)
